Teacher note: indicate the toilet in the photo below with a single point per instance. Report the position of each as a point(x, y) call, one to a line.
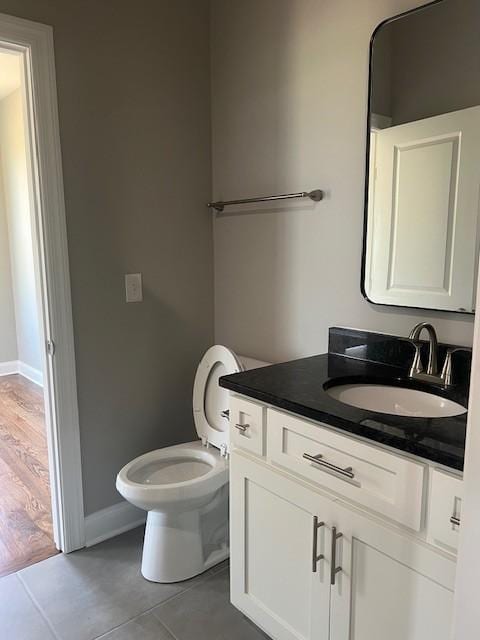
point(184, 487)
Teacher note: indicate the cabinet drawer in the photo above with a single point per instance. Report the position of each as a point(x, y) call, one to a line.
point(446, 493)
point(247, 425)
point(374, 478)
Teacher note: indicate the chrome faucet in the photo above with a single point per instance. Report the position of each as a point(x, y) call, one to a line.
point(417, 370)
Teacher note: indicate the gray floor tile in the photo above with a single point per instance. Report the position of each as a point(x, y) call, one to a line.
point(145, 627)
point(19, 618)
point(205, 613)
point(89, 592)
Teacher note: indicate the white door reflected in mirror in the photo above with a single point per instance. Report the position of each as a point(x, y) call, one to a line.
point(423, 212)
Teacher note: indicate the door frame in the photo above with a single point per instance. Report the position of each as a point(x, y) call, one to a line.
point(34, 41)
point(466, 620)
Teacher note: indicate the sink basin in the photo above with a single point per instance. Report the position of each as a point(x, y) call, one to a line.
point(397, 401)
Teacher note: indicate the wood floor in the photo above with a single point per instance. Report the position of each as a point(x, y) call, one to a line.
point(26, 533)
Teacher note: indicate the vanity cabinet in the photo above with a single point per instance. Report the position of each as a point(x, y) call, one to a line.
point(276, 538)
point(390, 585)
point(310, 560)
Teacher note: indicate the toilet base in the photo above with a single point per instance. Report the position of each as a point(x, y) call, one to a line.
point(178, 546)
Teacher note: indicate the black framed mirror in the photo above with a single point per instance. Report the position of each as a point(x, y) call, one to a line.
point(422, 189)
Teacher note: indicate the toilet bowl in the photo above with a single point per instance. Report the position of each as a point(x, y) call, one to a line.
point(184, 487)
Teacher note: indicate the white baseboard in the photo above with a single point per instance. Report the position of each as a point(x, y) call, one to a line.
point(23, 369)
point(30, 373)
point(8, 368)
point(110, 522)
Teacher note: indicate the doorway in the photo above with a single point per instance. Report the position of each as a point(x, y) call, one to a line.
point(39, 383)
point(26, 525)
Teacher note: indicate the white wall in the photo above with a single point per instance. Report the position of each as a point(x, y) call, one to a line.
point(289, 97)
point(17, 206)
point(8, 336)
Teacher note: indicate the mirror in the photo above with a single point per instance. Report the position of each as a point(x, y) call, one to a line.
point(423, 159)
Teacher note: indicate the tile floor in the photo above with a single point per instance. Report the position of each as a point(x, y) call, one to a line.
point(100, 593)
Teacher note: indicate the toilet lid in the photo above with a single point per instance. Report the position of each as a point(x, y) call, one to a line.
point(209, 399)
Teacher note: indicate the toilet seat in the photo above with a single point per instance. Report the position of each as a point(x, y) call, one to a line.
point(210, 401)
point(137, 482)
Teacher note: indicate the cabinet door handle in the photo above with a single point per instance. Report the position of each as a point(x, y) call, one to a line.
point(347, 471)
point(456, 521)
point(333, 559)
point(316, 557)
point(241, 427)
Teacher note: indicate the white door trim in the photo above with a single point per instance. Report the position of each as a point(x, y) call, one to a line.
point(35, 42)
point(466, 619)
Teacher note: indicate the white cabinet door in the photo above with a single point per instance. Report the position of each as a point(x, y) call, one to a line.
point(390, 586)
point(423, 213)
point(275, 534)
point(444, 513)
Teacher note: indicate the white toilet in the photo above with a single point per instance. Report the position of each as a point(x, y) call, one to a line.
point(184, 488)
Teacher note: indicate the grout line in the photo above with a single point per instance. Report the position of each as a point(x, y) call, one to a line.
point(166, 627)
point(157, 616)
point(196, 581)
point(169, 599)
point(38, 607)
point(206, 576)
point(140, 615)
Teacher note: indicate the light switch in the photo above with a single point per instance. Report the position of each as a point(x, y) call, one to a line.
point(133, 287)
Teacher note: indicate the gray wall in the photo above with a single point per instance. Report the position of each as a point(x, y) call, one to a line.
point(289, 113)
point(381, 98)
point(17, 205)
point(8, 337)
point(134, 102)
point(420, 58)
point(444, 38)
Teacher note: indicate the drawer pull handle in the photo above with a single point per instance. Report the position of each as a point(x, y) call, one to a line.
point(225, 414)
point(316, 557)
point(347, 472)
point(456, 521)
point(333, 563)
point(241, 427)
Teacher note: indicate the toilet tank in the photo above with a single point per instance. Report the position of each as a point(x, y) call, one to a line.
point(251, 363)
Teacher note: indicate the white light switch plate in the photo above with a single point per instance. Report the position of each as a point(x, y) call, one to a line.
point(133, 287)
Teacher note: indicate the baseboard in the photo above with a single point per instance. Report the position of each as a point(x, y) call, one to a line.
point(110, 522)
point(8, 368)
point(23, 369)
point(34, 375)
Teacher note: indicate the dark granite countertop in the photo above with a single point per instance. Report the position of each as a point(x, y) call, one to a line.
point(298, 387)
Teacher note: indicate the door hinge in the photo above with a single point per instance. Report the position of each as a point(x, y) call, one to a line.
point(50, 347)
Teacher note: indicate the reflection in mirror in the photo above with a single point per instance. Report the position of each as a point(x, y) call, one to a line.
point(423, 171)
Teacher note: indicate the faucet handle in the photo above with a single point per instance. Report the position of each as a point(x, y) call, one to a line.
point(446, 374)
